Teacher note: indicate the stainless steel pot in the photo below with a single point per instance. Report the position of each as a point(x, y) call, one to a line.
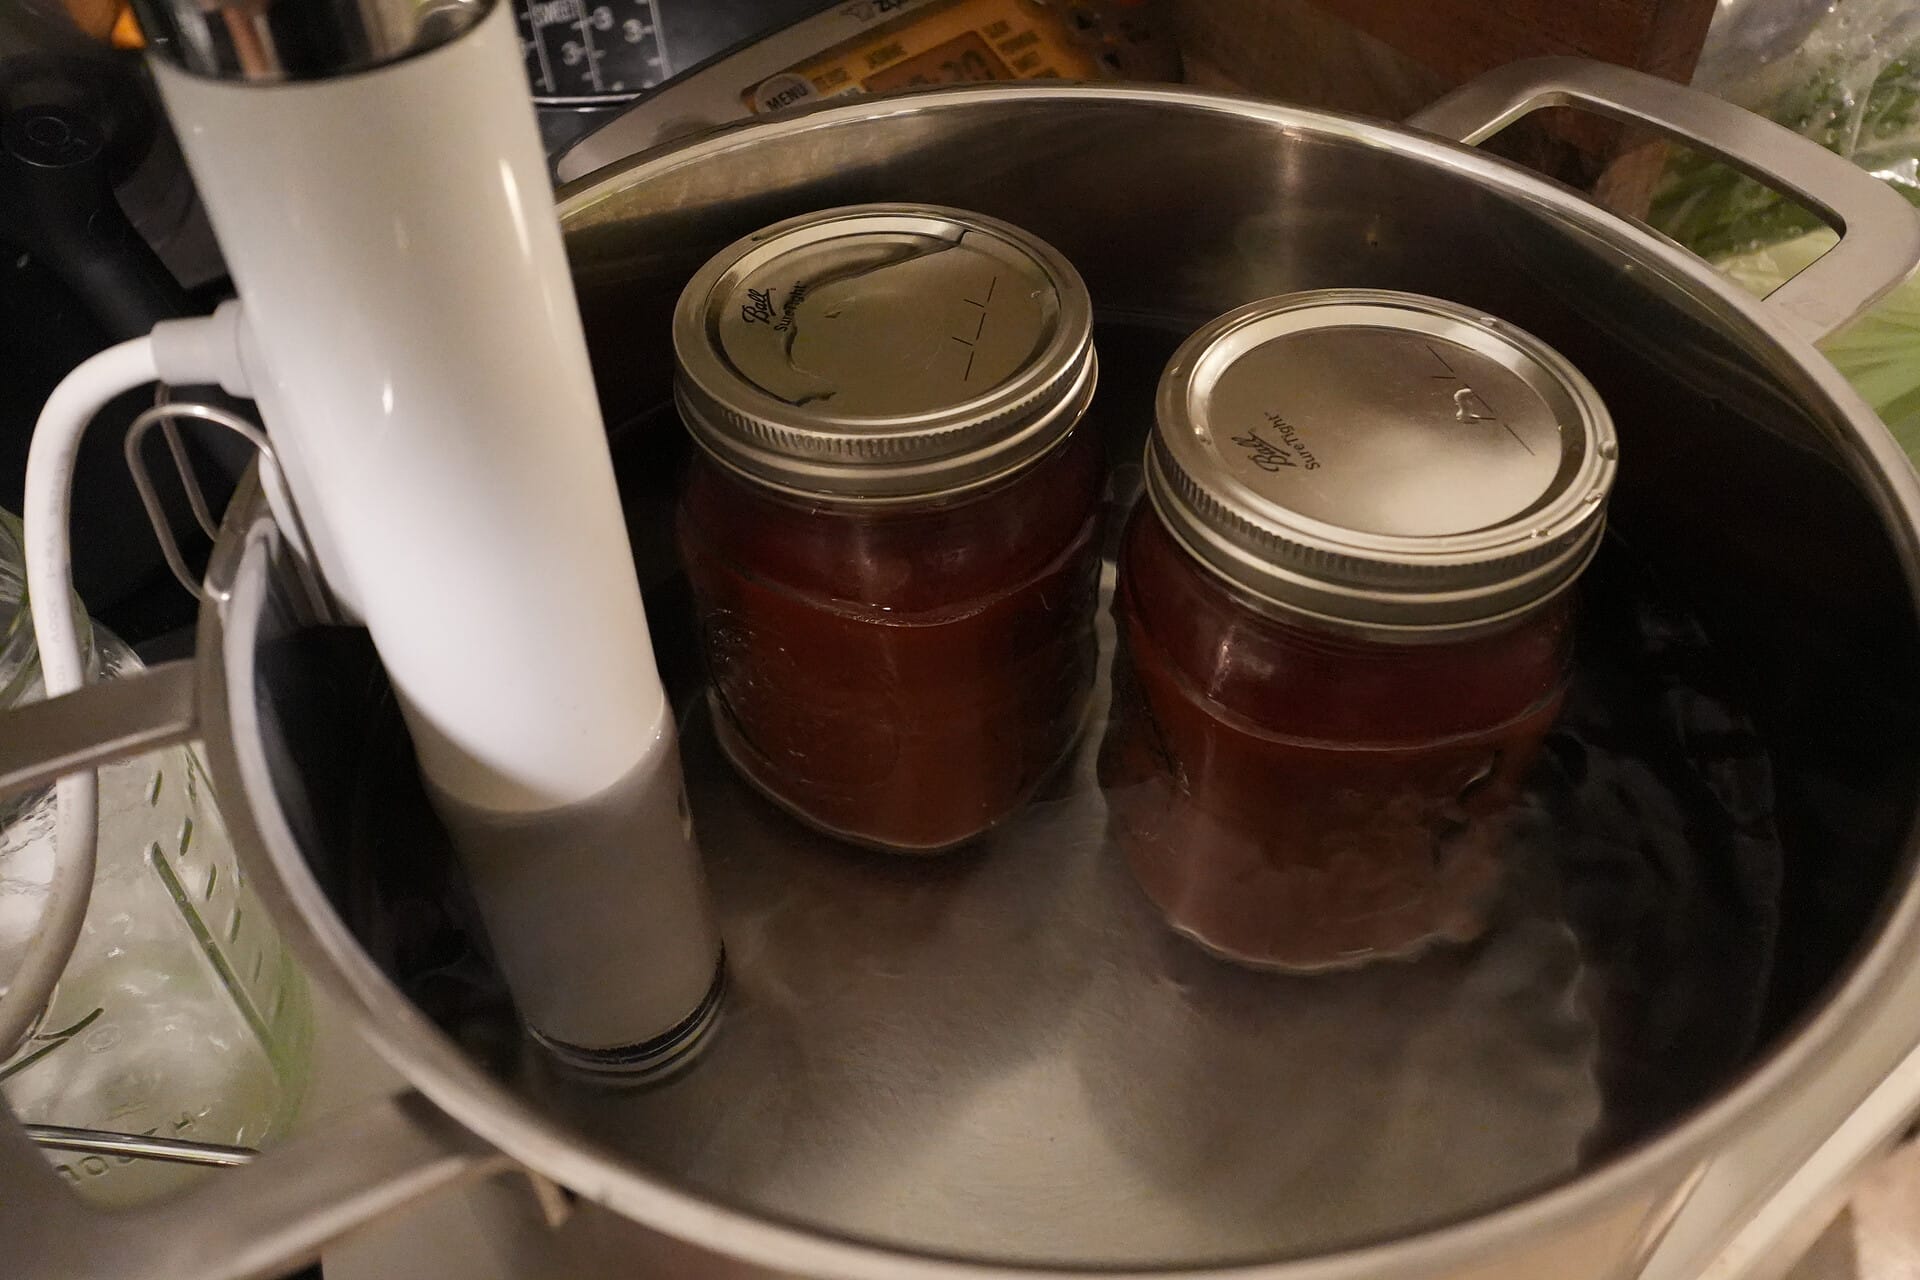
point(1779, 503)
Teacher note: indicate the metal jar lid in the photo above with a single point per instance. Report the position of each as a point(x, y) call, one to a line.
point(883, 351)
point(1383, 462)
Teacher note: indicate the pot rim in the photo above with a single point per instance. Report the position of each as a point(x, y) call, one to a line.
point(1644, 1181)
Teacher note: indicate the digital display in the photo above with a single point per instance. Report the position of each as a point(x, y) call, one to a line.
point(961, 60)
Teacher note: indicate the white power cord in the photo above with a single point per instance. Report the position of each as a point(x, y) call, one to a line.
point(184, 351)
point(45, 515)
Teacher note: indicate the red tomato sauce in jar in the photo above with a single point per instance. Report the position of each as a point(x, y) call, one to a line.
point(891, 528)
point(1332, 677)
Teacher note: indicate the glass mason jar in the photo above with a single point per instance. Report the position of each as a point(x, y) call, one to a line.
point(180, 1013)
point(891, 523)
point(1344, 620)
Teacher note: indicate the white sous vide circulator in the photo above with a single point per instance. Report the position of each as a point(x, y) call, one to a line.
point(375, 178)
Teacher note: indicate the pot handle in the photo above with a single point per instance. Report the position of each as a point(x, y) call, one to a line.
point(251, 1224)
point(1879, 231)
point(1781, 1226)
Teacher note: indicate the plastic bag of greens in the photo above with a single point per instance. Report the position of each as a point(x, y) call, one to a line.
point(1879, 353)
point(1845, 73)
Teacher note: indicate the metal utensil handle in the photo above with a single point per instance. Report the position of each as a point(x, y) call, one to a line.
point(287, 1204)
point(137, 1146)
point(95, 725)
point(1879, 231)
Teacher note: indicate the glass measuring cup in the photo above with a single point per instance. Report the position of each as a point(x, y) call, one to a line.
point(180, 1014)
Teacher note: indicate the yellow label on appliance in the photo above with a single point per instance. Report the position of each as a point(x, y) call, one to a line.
point(957, 42)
